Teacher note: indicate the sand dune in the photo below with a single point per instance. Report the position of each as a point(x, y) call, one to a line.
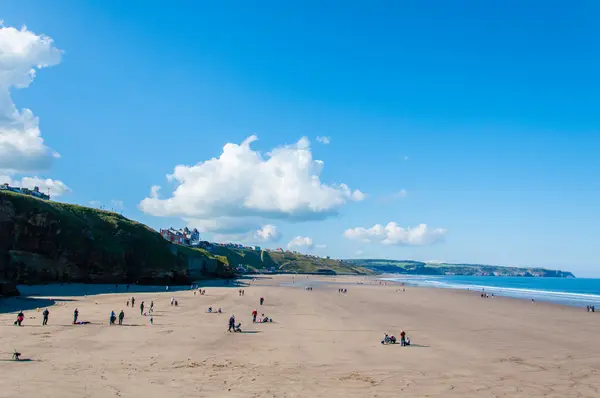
point(321, 344)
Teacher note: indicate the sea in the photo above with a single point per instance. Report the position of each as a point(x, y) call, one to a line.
point(569, 291)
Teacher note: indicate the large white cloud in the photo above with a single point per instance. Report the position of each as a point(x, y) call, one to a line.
point(268, 233)
point(22, 52)
point(242, 183)
point(301, 243)
point(392, 234)
point(47, 185)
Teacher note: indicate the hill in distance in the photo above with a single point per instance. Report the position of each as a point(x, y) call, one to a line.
point(421, 268)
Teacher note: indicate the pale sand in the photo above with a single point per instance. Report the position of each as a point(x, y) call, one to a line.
point(323, 344)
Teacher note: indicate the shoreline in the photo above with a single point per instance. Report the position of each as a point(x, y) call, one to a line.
point(571, 299)
point(322, 343)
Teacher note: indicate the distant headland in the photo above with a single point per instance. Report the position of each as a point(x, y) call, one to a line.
point(428, 268)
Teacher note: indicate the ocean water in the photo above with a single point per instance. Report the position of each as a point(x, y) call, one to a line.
point(569, 291)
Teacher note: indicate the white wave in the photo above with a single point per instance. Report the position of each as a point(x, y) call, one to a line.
point(542, 295)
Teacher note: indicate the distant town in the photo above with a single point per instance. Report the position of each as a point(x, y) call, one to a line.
point(25, 191)
point(191, 238)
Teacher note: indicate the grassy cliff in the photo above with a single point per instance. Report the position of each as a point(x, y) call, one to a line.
point(278, 261)
point(45, 241)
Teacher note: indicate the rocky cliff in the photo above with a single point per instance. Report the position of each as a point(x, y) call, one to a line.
point(45, 241)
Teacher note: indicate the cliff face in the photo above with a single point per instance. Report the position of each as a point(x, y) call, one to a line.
point(42, 241)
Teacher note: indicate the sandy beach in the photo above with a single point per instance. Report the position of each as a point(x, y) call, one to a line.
point(322, 343)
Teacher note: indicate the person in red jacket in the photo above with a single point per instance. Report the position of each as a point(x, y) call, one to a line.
point(254, 314)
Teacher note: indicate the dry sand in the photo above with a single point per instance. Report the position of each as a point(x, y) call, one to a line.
point(322, 344)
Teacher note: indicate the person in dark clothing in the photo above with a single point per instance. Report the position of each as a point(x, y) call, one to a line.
point(254, 314)
point(45, 314)
point(142, 308)
point(121, 317)
point(132, 302)
point(113, 317)
point(20, 318)
point(75, 316)
point(231, 323)
point(262, 300)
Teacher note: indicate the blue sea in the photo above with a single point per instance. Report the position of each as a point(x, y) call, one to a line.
point(569, 291)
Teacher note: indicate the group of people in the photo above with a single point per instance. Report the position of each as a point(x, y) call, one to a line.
point(241, 292)
point(404, 339)
point(210, 310)
point(262, 319)
point(309, 288)
point(113, 317)
point(591, 308)
point(233, 327)
point(342, 290)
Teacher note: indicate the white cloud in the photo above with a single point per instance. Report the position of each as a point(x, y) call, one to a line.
point(268, 233)
point(324, 140)
point(321, 246)
point(22, 52)
point(301, 242)
point(243, 184)
point(392, 234)
point(47, 185)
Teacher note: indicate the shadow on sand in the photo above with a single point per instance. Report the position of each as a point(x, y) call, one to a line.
point(15, 304)
point(249, 332)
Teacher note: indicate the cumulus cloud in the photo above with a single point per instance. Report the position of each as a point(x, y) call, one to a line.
point(392, 234)
point(242, 183)
point(46, 185)
point(324, 140)
point(268, 233)
point(302, 243)
point(22, 53)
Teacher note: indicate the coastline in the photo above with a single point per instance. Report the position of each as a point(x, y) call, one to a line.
point(499, 287)
point(322, 343)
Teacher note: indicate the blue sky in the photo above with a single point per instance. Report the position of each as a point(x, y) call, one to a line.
point(485, 114)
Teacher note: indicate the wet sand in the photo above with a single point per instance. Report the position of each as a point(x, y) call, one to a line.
point(321, 344)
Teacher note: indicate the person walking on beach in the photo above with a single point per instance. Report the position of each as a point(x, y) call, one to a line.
point(113, 318)
point(262, 300)
point(132, 302)
point(75, 316)
point(121, 317)
point(45, 315)
point(152, 305)
point(142, 308)
point(254, 314)
point(128, 303)
point(231, 324)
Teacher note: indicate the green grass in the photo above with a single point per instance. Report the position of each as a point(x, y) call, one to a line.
point(100, 242)
point(88, 242)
